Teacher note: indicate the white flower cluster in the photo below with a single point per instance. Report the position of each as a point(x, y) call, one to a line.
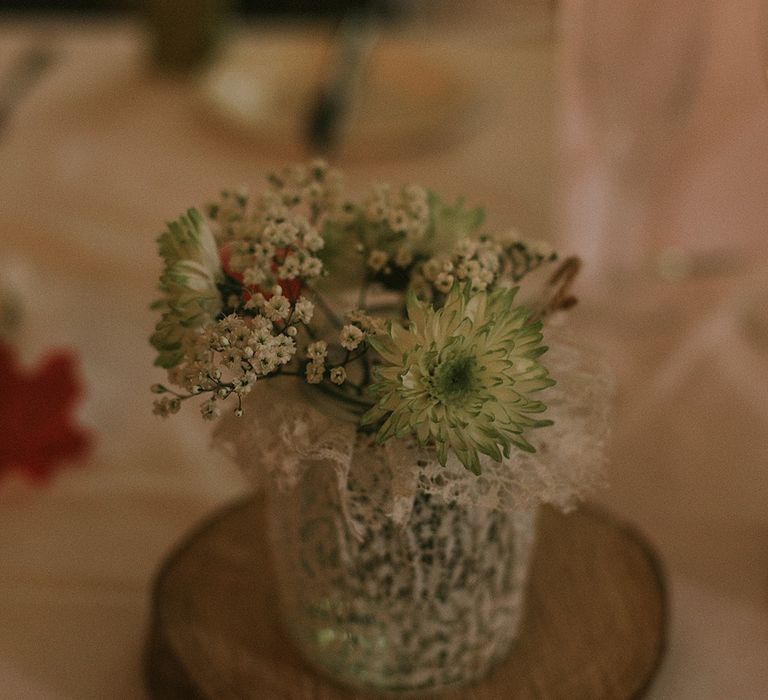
point(400, 223)
point(229, 215)
point(317, 353)
point(369, 324)
point(283, 247)
point(166, 406)
point(314, 191)
point(240, 289)
point(481, 262)
point(352, 336)
point(477, 261)
point(228, 356)
point(316, 186)
point(276, 238)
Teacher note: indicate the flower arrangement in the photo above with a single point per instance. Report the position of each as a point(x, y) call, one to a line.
point(436, 341)
point(379, 365)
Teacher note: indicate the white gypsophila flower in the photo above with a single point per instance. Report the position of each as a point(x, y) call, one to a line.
point(229, 215)
point(278, 308)
point(398, 220)
point(303, 310)
point(240, 256)
point(350, 337)
point(254, 276)
point(489, 259)
point(317, 351)
point(338, 375)
point(461, 377)
point(377, 259)
point(366, 322)
point(311, 267)
point(483, 279)
point(261, 323)
point(160, 407)
point(245, 383)
point(259, 335)
point(314, 241)
point(285, 348)
point(444, 282)
point(432, 268)
point(210, 410)
point(377, 205)
point(461, 270)
point(191, 298)
point(315, 372)
point(466, 247)
point(290, 268)
point(403, 256)
point(317, 187)
point(232, 358)
point(416, 231)
point(265, 360)
point(282, 234)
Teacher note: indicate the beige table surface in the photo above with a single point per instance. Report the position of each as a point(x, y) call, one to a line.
point(101, 152)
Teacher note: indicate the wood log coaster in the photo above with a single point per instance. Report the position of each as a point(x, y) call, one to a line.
point(594, 626)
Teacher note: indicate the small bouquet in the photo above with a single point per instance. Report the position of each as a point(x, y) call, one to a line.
point(379, 364)
point(397, 305)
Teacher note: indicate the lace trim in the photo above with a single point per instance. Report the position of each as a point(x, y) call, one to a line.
point(287, 433)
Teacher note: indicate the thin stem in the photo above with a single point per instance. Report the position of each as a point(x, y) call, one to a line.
point(331, 390)
point(327, 310)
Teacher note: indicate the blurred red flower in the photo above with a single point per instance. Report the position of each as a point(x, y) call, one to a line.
point(37, 429)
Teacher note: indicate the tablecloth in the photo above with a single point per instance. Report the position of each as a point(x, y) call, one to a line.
point(102, 151)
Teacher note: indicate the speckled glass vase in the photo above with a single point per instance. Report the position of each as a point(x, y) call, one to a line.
point(431, 603)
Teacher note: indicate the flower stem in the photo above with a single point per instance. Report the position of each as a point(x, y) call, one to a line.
point(330, 314)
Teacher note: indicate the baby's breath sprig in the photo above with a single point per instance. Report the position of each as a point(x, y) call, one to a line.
point(480, 262)
point(524, 256)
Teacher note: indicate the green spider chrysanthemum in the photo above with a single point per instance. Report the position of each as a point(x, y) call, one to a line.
point(460, 377)
point(189, 283)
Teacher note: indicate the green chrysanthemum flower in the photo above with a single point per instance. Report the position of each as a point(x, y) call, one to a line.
point(191, 297)
point(460, 377)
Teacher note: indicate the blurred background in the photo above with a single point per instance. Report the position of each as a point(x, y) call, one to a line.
point(247, 7)
point(633, 134)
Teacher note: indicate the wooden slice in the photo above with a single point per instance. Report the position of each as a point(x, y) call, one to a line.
point(594, 625)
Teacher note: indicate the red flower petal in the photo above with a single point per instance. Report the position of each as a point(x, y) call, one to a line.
point(37, 432)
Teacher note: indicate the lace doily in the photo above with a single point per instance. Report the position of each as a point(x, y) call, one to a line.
point(289, 427)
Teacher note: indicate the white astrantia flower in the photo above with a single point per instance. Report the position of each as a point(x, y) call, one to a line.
point(189, 284)
point(461, 377)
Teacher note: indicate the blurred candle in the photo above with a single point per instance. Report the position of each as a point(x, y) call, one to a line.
point(185, 33)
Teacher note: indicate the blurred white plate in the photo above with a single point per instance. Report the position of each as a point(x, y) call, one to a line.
point(263, 88)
